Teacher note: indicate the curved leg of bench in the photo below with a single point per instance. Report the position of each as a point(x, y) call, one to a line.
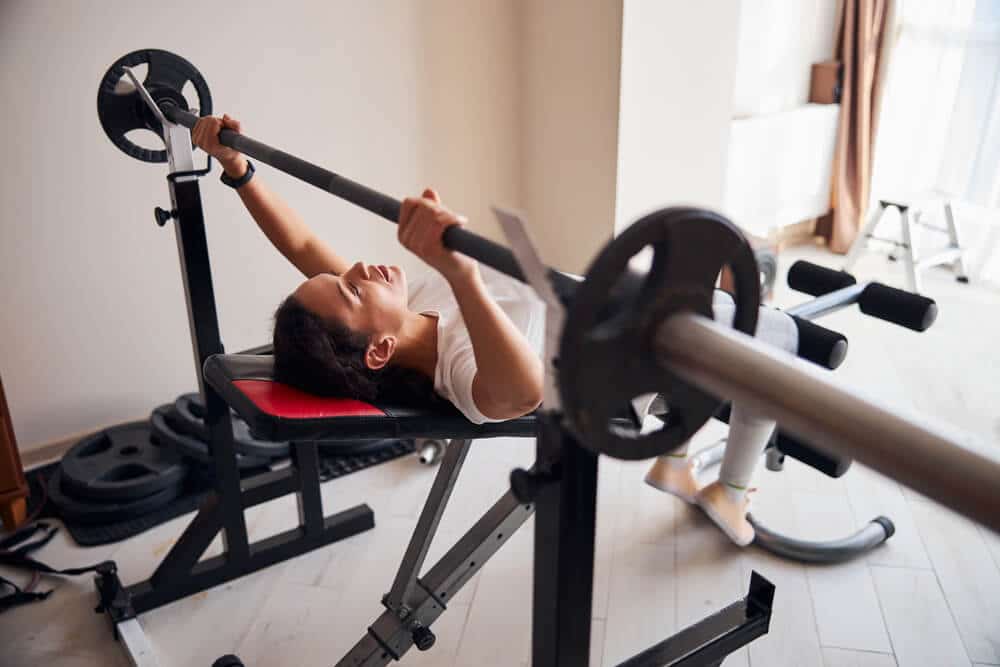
point(873, 534)
point(877, 531)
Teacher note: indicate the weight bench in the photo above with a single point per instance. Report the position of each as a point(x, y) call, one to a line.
point(279, 412)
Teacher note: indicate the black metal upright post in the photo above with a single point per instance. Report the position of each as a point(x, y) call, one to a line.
point(192, 246)
point(565, 514)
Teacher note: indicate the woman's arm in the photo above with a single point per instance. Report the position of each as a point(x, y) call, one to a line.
point(508, 380)
point(509, 374)
point(286, 230)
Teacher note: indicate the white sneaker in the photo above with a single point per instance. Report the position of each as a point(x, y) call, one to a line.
point(728, 514)
point(673, 476)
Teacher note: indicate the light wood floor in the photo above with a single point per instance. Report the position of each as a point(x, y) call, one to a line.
point(931, 596)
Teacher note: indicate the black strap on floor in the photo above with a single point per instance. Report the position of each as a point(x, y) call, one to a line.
point(15, 554)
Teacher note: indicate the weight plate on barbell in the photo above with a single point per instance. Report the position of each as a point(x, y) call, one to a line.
point(607, 355)
point(120, 463)
point(121, 109)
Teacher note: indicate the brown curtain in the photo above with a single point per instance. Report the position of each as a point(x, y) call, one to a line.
point(859, 47)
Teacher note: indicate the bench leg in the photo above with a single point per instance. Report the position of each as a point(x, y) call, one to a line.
point(396, 630)
point(430, 517)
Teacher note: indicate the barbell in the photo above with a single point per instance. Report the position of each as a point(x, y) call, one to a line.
point(628, 333)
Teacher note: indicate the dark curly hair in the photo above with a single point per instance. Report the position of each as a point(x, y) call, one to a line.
point(328, 360)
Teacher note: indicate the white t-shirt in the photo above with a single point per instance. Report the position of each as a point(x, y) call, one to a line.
point(456, 362)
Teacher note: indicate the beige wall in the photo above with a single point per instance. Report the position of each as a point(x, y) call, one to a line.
point(394, 94)
point(583, 113)
point(570, 54)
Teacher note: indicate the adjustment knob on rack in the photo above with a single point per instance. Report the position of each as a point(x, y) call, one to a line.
point(162, 215)
point(423, 638)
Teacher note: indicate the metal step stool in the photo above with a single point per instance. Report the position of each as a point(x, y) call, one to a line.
point(953, 254)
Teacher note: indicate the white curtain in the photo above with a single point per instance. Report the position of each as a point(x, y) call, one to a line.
point(939, 128)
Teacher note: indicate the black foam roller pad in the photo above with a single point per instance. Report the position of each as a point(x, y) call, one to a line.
point(906, 309)
point(820, 345)
point(817, 280)
point(828, 464)
point(832, 466)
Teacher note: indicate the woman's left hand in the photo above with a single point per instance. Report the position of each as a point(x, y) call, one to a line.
point(422, 222)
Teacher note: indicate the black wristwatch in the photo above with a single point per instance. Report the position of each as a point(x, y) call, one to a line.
point(238, 182)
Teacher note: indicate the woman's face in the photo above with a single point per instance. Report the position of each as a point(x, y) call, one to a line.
point(369, 299)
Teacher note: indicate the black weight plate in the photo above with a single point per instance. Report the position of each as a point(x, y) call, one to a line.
point(607, 355)
point(189, 447)
point(189, 411)
point(120, 463)
point(121, 112)
point(80, 510)
point(188, 416)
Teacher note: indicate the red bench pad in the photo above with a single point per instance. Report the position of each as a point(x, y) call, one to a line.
point(281, 400)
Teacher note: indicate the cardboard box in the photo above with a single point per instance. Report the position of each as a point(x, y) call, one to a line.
point(825, 83)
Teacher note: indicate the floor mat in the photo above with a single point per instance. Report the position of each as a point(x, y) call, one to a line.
point(197, 487)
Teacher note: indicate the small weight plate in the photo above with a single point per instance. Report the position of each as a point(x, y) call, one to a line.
point(121, 110)
point(120, 463)
point(80, 510)
point(192, 448)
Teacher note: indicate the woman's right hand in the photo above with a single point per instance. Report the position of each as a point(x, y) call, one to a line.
point(206, 136)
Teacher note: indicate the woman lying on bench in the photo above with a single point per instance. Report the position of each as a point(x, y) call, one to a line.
point(462, 333)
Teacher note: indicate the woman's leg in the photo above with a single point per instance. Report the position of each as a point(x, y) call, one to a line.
point(673, 473)
point(725, 500)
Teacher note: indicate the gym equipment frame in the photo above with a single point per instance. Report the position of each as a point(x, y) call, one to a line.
point(641, 333)
point(180, 573)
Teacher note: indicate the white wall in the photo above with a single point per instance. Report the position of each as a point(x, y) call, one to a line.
point(394, 94)
point(779, 40)
point(780, 152)
point(779, 166)
point(677, 72)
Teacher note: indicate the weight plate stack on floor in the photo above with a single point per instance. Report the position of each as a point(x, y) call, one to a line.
point(188, 418)
point(116, 474)
point(164, 424)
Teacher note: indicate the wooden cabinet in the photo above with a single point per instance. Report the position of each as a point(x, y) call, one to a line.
point(13, 485)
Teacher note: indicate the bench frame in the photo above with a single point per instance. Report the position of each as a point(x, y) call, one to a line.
point(565, 513)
